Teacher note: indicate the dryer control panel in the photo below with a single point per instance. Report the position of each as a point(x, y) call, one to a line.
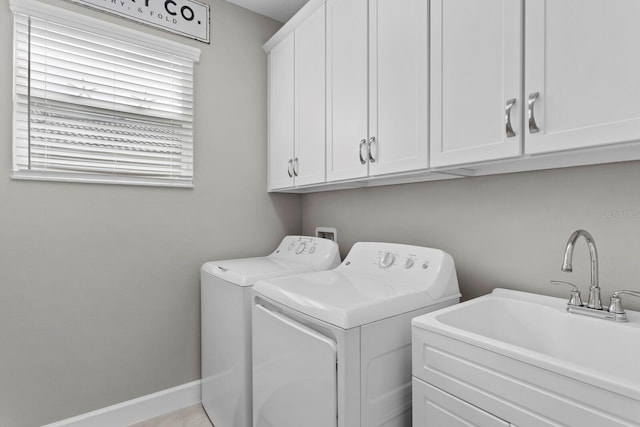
point(410, 259)
point(415, 266)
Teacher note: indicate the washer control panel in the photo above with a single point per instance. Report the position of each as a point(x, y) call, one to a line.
point(308, 250)
point(299, 245)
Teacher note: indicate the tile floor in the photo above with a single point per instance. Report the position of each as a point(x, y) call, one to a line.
point(191, 416)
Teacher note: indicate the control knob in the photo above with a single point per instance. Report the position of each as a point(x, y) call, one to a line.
point(301, 247)
point(387, 260)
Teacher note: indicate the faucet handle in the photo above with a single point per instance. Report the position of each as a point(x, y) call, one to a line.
point(575, 292)
point(615, 305)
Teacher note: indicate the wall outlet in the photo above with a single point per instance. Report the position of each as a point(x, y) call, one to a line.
point(327, 233)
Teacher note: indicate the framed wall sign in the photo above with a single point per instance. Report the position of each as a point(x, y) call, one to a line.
point(189, 18)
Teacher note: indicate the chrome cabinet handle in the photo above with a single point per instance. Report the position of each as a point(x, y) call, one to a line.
point(372, 141)
point(362, 144)
point(290, 168)
point(295, 167)
point(533, 127)
point(507, 118)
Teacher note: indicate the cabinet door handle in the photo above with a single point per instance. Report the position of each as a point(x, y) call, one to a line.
point(362, 144)
point(372, 141)
point(295, 167)
point(290, 168)
point(533, 127)
point(507, 118)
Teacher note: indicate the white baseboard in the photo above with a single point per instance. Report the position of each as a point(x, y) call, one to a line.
point(139, 409)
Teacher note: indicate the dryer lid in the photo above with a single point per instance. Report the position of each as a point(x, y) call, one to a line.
point(367, 286)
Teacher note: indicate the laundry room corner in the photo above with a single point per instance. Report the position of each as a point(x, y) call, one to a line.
point(100, 283)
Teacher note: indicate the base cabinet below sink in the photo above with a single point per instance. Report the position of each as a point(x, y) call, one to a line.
point(460, 384)
point(433, 407)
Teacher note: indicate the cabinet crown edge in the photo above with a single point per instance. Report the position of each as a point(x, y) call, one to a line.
point(289, 27)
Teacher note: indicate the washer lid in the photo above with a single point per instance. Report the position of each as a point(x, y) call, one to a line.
point(246, 271)
point(295, 254)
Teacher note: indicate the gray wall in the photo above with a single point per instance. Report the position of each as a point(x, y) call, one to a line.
point(99, 284)
point(506, 230)
point(99, 287)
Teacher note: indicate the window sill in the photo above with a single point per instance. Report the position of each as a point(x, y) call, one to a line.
point(101, 179)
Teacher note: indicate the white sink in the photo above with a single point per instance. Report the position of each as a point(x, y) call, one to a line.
point(537, 345)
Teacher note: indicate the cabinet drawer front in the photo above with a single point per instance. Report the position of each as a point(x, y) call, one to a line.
point(433, 407)
point(510, 389)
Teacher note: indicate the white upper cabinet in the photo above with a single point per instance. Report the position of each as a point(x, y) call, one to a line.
point(582, 62)
point(297, 105)
point(281, 114)
point(476, 81)
point(377, 87)
point(309, 156)
point(347, 92)
point(398, 86)
point(375, 92)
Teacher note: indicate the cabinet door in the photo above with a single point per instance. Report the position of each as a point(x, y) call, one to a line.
point(433, 407)
point(582, 60)
point(310, 100)
point(281, 114)
point(399, 82)
point(346, 89)
point(476, 73)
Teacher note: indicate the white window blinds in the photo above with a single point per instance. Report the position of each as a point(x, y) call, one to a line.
point(109, 105)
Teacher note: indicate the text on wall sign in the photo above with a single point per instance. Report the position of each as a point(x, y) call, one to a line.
point(189, 18)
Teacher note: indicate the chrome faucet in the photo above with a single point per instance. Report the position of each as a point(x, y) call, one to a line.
point(594, 306)
point(594, 301)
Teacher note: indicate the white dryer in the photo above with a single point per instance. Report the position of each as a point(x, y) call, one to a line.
point(333, 348)
point(225, 291)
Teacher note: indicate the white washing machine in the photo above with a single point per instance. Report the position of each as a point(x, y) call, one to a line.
point(333, 348)
point(225, 291)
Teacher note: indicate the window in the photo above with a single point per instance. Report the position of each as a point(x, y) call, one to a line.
point(96, 102)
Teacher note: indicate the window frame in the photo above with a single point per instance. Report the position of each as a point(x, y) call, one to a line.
point(83, 22)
